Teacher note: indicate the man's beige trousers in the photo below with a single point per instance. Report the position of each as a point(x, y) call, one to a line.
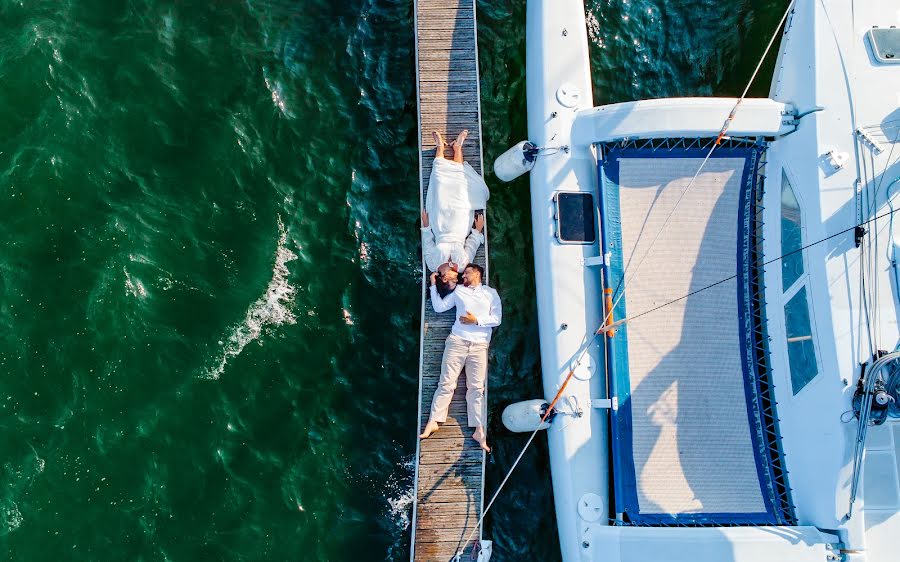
point(459, 354)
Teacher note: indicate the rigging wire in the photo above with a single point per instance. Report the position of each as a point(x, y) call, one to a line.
point(534, 433)
point(623, 282)
point(727, 279)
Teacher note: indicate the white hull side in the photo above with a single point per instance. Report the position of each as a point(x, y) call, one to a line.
point(567, 291)
point(826, 61)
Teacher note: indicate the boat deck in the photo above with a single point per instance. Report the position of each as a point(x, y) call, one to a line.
point(449, 464)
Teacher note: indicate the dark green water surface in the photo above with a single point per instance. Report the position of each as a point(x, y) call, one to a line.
point(209, 275)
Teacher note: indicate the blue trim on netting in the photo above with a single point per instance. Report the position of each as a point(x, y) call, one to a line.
point(699, 519)
point(609, 223)
point(745, 316)
point(757, 385)
point(756, 317)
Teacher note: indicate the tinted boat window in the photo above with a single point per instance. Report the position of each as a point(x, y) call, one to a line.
point(791, 237)
point(886, 44)
point(575, 215)
point(800, 345)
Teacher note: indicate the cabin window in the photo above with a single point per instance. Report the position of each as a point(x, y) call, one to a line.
point(575, 218)
point(800, 344)
point(791, 235)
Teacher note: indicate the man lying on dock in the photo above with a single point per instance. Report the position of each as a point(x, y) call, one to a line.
point(478, 310)
point(455, 194)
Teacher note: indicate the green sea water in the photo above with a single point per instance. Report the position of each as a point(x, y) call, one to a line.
point(209, 275)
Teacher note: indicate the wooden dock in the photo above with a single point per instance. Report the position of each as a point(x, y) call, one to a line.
point(449, 464)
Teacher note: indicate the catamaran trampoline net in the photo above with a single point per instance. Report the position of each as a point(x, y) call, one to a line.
point(690, 437)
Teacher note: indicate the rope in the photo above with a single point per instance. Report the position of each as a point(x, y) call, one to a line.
point(728, 120)
point(556, 398)
point(622, 321)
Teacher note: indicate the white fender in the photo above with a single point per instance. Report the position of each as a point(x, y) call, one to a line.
point(524, 417)
point(516, 161)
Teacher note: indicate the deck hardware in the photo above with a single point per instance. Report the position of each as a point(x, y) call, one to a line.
point(602, 403)
point(592, 261)
point(858, 234)
point(585, 544)
point(553, 115)
point(837, 159)
point(563, 326)
point(552, 415)
point(869, 141)
point(565, 32)
point(803, 114)
point(568, 95)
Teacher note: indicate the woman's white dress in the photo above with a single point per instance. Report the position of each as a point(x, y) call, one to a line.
point(455, 191)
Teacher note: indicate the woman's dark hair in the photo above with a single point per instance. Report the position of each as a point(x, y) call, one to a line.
point(443, 288)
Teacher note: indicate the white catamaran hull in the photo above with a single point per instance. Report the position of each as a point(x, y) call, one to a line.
point(808, 126)
point(557, 56)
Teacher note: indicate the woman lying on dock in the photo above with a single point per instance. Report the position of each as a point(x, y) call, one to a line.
point(452, 230)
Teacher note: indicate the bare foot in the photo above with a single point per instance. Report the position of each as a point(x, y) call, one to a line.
point(480, 437)
point(430, 428)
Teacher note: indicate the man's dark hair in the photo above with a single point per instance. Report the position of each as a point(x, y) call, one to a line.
point(443, 288)
point(477, 268)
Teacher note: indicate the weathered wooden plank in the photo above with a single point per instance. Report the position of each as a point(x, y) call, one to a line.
point(466, 116)
point(450, 445)
point(434, 38)
point(429, 484)
point(461, 509)
point(434, 472)
point(444, 76)
point(447, 24)
point(456, 533)
point(449, 99)
point(451, 55)
point(440, 551)
point(447, 64)
point(452, 432)
point(443, 456)
point(446, 4)
point(450, 85)
point(434, 12)
point(450, 495)
point(449, 521)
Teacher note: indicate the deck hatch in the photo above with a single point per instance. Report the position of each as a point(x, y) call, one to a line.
point(885, 44)
point(694, 440)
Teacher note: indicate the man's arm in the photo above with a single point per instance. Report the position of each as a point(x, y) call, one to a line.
point(492, 318)
point(440, 304)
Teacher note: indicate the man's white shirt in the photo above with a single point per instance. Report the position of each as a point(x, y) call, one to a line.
point(482, 301)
